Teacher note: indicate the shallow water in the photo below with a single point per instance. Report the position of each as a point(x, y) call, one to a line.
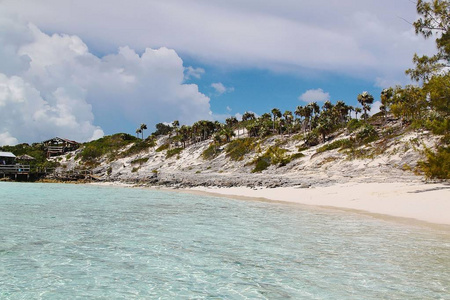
point(76, 242)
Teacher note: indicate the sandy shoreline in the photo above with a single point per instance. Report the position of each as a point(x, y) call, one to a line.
point(423, 202)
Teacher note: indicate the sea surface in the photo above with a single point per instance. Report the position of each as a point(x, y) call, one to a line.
point(61, 241)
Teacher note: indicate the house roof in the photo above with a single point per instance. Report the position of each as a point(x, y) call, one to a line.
point(7, 154)
point(58, 139)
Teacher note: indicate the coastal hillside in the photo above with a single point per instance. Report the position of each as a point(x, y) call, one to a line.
point(372, 151)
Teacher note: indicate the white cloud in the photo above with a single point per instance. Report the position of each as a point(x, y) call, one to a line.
point(190, 72)
point(317, 95)
point(221, 89)
point(229, 109)
point(56, 87)
point(7, 139)
point(359, 38)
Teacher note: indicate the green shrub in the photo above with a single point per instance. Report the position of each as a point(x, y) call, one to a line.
point(344, 143)
point(273, 156)
point(105, 145)
point(366, 134)
point(139, 161)
point(311, 139)
point(237, 149)
point(138, 147)
point(296, 156)
point(211, 152)
point(162, 147)
point(354, 124)
point(261, 163)
point(437, 164)
point(134, 170)
point(173, 152)
point(438, 126)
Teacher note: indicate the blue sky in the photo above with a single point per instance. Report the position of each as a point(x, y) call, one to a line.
point(261, 90)
point(82, 69)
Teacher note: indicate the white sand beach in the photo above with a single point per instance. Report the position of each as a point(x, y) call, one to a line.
point(424, 202)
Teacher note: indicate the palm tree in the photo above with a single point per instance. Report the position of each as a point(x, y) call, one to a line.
point(315, 107)
point(176, 125)
point(184, 134)
point(289, 118)
point(248, 116)
point(299, 110)
point(138, 131)
point(142, 128)
point(227, 132)
point(366, 100)
point(342, 110)
point(276, 115)
point(231, 122)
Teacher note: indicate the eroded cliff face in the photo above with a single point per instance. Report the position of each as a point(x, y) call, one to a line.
point(274, 161)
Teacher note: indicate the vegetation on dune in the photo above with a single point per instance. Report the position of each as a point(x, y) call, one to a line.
point(237, 149)
point(274, 155)
point(437, 164)
point(110, 146)
point(172, 152)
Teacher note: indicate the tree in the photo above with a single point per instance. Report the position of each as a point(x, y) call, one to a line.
point(138, 132)
point(307, 113)
point(434, 20)
point(227, 132)
point(184, 133)
point(231, 122)
point(289, 118)
point(248, 116)
point(438, 92)
point(276, 115)
point(143, 127)
point(162, 129)
point(176, 125)
point(342, 111)
point(365, 99)
point(386, 97)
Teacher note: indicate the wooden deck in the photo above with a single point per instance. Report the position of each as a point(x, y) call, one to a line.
point(18, 171)
point(14, 170)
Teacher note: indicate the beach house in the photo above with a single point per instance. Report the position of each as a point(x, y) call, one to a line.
point(58, 146)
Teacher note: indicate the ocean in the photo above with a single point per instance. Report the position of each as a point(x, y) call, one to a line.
point(62, 241)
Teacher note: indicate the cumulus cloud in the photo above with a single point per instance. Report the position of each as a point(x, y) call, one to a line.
point(51, 85)
point(317, 95)
point(221, 89)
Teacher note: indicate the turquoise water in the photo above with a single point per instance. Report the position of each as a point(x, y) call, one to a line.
point(78, 242)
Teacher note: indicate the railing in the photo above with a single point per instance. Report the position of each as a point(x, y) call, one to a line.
point(14, 169)
point(55, 148)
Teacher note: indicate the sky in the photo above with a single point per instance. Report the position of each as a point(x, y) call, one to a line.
point(83, 69)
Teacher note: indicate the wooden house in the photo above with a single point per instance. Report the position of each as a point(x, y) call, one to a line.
point(58, 146)
point(7, 158)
